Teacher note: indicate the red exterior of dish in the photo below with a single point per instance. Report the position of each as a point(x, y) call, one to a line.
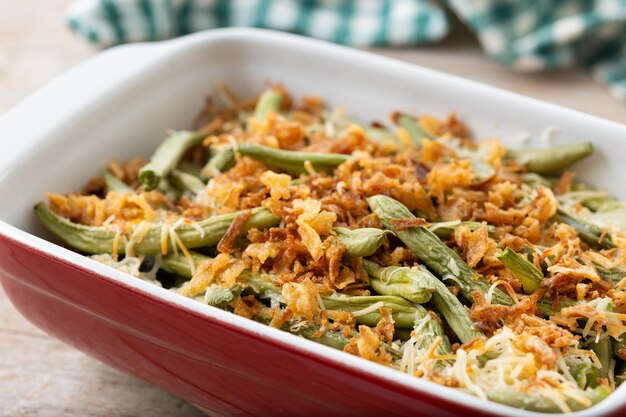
point(213, 364)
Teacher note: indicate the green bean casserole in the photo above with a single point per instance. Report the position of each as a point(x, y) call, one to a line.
point(489, 270)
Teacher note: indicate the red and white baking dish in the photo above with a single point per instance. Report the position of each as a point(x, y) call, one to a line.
point(120, 104)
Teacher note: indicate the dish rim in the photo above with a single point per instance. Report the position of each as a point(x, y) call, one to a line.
point(159, 51)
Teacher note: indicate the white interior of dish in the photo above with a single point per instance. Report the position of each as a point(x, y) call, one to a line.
point(121, 103)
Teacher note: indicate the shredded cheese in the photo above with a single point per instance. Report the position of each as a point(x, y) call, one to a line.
point(506, 285)
point(367, 310)
point(453, 267)
point(453, 278)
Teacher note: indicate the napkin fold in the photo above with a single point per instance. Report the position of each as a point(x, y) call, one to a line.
point(526, 35)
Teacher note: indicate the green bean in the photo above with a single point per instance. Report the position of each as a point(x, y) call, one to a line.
point(604, 352)
point(525, 271)
point(313, 332)
point(167, 188)
point(187, 182)
point(99, 239)
point(585, 373)
point(261, 286)
point(619, 347)
point(404, 313)
point(433, 330)
point(268, 101)
point(179, 265)
point(426, 334)
point(602, 204)
point(360, 242)
point(221, 161)
point(190, 168)
point(220, 297)
point(115, 184)
point(552, 160)
point(545, 307)
point(398, 281)
point(534, 180)
point(256, 283)
point(450, 308)
point(167, 156)
point(414, 285)
point(590, 197)
point(292, 162)
point(532, 402)
point(612, 274)
point(332, 338)
point(411, 124)
point(589, 233)
point(444, 230)
point(432, 251)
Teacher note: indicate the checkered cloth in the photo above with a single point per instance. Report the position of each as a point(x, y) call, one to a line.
point(527, 35)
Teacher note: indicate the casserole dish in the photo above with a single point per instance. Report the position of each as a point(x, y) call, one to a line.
point(119, 104)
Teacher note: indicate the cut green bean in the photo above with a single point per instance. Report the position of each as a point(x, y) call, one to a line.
point(167, 156)
point(584, 373)
point(612, 274)
point(601, 205)
point(94, 240)
point(167, 188)
point(419, 285)
point(524, 270)
point(360, 242)
point(221, 161)
point(261, 286)
point(113, 183)
point(546, 309)
point(532, 402)
point(190, 168)
point(268, 101)
point(444, 230)
point(589, 233)
point(220, 297)
point(257, 284)
point(604, 352)
point(398, 281)
point(292, 162)
point(187, 182)
point(178, 264)
point(425, 335)
point(450, 308)
point(330, 338)
point(432, 251)
point(433, 330)
point(552, 160)
point(404, 313)
point(619, 347)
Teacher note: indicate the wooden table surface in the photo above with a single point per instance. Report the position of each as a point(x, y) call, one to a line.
point(40, 376)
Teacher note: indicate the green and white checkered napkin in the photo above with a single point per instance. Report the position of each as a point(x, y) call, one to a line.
point(528, 35)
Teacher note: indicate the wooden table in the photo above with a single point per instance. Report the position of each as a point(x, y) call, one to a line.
point(40, 376)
